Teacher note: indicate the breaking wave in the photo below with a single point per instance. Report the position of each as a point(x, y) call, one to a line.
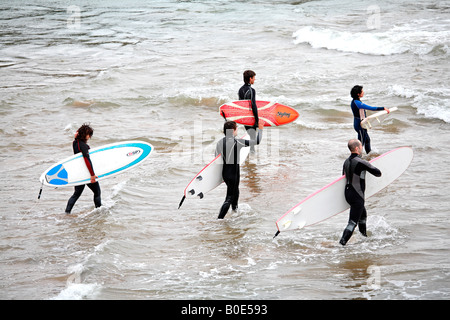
point(398, 40)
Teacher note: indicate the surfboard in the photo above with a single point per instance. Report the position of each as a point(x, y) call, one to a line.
point(274, 114)
point(376, 119)
point(108, 160)
point(210, 177)
point(330, 200)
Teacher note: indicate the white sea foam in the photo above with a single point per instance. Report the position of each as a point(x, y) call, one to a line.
point(432, 103)
point(75, 288)
point(323, 125)
point(366, 43)
point(397, 40)
point(78, 291)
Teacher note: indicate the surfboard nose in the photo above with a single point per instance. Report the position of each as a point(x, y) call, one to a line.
point(285, 114)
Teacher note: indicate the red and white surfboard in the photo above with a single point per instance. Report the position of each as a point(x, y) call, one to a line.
point(273, 114)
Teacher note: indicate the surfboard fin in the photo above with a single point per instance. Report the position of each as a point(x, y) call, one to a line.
point(199, 178)
point(200, 195)
point(287, 224)
point(181, 202)
point(192, 191)
point(278, 232)
point(301, 224)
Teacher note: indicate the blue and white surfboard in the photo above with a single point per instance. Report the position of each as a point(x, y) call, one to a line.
point(107, 161)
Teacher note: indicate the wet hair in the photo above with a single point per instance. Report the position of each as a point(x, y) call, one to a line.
point(83, 131)
point(229, 125)
point(248, 74)
point(353, 144)
point(355, 91)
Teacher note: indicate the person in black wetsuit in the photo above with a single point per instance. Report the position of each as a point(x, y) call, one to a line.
point(355, 171)
point(359, 114)
point(229, 147)
point(84, 133)
point(246, 92)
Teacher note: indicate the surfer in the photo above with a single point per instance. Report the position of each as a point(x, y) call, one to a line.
point(230, 148)
point(83, 134)
point(359, 114)
point(355, 170)
point(246, 92)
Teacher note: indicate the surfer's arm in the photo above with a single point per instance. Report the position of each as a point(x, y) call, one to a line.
point(372, 169)
point(84, 149)
point(219, 147)
point(88, 162)
point(361, 105)
point(249, 143)
point(254, 107)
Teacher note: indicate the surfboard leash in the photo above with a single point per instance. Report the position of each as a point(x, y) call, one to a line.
point(40, 191)
point(34, 205)
point(223, 115)
point(182, 200)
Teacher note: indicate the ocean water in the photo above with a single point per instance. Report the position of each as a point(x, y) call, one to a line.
point(158, 71)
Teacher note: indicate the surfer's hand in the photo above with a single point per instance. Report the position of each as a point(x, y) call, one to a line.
point(93, 179)
point(261, 124)
point(386, 109)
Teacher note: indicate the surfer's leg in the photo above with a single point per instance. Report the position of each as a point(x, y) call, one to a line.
point(367, 145)
point(228, 199)
point(356, 211)
point(348, 231)
point(234, 203)
point(365, 140)
point(358, 128)
point(252, 133)
point(95, 187)
point(224, 209)
point(235, 195)
point(363, 135)
point(74, 198)
point(359, 135)
point(362, 223)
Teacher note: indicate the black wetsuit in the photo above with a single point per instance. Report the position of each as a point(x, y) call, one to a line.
point(355, 170)
point(359, 114)
point(246, 92)
point(230, 148)
point(80, 146)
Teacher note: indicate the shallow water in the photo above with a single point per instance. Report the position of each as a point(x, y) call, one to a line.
point(158, 72)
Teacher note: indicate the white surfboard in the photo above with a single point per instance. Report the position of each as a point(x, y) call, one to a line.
point(107, 160)
point(210, 176)
point(376, 119)
point(330, 200)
